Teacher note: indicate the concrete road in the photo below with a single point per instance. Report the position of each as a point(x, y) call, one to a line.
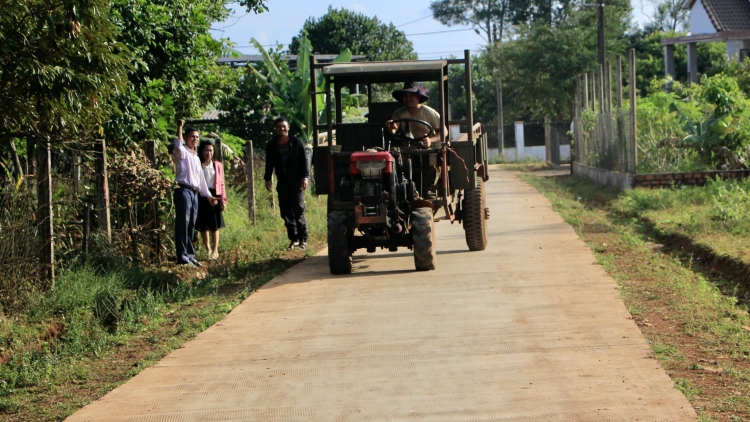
point(530, 329)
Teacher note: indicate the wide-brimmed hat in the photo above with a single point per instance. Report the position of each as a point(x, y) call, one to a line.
point(411, 87)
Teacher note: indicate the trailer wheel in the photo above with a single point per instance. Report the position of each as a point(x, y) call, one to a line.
point(423, 239)
point(339, 254)
point(475, 225)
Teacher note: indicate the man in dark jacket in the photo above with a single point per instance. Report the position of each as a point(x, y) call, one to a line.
point(286, 156)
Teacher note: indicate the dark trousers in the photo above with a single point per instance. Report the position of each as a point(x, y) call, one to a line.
point(292, 206)
point(186, 211)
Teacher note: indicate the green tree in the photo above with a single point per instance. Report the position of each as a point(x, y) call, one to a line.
point(538, 66)
point(483, 88)
point(269, 89)
point(175, 65)
point(668, 16)
point(341, 29)
point(61, 66)
point(650, 58)
point(491, 17)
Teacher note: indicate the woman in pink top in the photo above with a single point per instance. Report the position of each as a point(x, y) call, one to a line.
point(210, 218)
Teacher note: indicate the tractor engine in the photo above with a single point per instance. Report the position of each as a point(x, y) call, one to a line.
point(372, 185)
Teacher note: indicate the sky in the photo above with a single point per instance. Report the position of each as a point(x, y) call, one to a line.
point(431, 39)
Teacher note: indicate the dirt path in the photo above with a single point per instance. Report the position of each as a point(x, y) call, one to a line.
point(528, 330)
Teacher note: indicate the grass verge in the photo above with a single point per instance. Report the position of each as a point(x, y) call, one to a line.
point(97, 328)
point(696, 328)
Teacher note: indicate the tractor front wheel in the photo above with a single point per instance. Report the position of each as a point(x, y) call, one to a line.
point(423, 239)
point(475, 225)
point(339, 254)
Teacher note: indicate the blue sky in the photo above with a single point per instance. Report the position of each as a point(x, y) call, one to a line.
point(431, 39)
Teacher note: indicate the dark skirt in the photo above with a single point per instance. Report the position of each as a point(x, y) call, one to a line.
point(209, 217)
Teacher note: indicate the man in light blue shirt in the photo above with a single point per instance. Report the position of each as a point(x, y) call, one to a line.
point(191, 183)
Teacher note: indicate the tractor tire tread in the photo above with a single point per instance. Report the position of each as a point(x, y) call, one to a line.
point(423, 239)
point(339, 254)
point(475, 225)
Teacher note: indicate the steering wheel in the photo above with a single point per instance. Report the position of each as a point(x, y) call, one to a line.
point(401, 138)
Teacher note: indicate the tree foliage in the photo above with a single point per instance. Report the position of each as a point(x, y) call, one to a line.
point(175, 72)
point(483, 90)
point(125, 69)
point(269, 89)
point(342, 29)
point(668, 16)
point(494, 17)
point(490, 16)
point(650, 58)
point(537, 67)
point(61, 65)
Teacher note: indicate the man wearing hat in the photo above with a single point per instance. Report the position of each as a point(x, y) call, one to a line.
point(412, 96)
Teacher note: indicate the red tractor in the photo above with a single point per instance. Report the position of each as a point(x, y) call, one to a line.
point(373, 179)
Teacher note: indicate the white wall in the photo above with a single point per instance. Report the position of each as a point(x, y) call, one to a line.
point(700, 23)
point(537, 153)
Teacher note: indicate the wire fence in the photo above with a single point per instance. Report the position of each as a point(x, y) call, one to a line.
point(107, 212)
point(606, 140)
point(605, 131)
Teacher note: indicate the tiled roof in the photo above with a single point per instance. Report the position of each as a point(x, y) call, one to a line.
point(728, 15)
point(255, 58)
point(212, 115)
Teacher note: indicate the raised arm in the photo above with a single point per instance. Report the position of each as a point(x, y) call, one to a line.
point(177, 152)
point(180, 124)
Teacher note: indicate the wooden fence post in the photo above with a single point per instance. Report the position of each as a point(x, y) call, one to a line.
point(218, 150)
point(547, 141)
point(76, 172)
point(608, 87)
point(250, 178)
point(500, 128)
point(271, 198)
point(86, 231)
point(102, 188)
point(44, 215)
point(592, 89)
point(585, 94)
point(153, 207)
point(633, 167)
point(601, 89)
point(619, 81)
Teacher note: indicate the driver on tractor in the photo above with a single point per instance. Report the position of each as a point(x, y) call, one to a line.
point(412, 96)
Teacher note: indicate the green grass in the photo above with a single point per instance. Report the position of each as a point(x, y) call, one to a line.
point(525, 160)
point(691, 320)
point(60, 345)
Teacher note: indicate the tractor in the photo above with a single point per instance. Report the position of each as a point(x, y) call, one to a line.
point(376, 196)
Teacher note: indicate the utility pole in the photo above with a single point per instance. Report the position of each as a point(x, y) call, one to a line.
point(600, 31)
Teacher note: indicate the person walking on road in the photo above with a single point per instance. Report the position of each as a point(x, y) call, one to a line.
point(286, 156)
point(210, 218)
point(191, 183)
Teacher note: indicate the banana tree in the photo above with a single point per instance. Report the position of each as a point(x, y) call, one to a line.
point(290, 92)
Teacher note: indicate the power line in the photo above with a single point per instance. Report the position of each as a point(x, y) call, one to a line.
point(237, 19)
point(424, 17)
point(439, 32)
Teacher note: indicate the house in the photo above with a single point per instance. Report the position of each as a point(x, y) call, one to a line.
point(711, 21)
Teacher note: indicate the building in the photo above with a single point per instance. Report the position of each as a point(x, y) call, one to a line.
point(711, 21)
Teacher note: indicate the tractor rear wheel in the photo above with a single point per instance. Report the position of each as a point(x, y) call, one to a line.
point(423, 239)
point(339, 254)
point(475, 225)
